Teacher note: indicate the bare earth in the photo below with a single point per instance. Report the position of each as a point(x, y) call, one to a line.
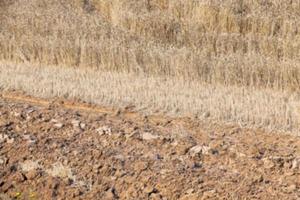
point(55, 151)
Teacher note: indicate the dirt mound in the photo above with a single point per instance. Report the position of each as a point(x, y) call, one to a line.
point(50, 152)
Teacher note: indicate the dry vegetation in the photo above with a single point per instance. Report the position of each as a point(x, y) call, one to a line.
point(172, 96)
point(224, 60)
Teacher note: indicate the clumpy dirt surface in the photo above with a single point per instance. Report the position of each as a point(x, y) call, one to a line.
point(51, 152)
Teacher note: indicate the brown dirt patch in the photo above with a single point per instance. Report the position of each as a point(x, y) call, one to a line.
point(50, 151)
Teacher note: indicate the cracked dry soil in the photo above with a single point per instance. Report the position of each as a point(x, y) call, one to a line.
point(56, 153)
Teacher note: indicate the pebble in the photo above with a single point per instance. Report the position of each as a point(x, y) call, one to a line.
point(155, 196)
point(291, 188)
point(54, 121)
point(206, 115)
point(10, 140)
point(31, 174)
point(30, 139)
point(149, 189)
point(104, 130)
point(209, 194)
point(3, 137)
point(149, 136)
point(27, 137)
point(111, 194)
point(18, 177)
point(17, 114)
point(82, 126)
point(268, 164)
point(30, 110)
point(58, 125)
point(296, 163)
point(29, 165)
point(190, 191)
point(75, 123)
point(199, 149)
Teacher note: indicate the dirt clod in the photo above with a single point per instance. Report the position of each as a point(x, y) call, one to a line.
point(126, 157)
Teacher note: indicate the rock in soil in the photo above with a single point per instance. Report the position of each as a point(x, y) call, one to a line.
point(127, 157)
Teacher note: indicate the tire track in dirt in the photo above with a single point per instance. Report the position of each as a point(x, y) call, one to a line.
point(79, 106)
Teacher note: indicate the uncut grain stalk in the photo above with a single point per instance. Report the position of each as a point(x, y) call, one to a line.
point(235, 69)
point(149, 56)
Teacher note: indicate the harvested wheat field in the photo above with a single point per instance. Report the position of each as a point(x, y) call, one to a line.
point(149, 99)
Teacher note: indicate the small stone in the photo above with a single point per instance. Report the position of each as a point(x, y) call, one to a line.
point(18, 177)
point(287, 165)
point(75, 123)
point(174, 143)
point(141, 166)
point(31, 110)
point(82, 126)
point(2, 161)
point(104, 130)
point(61, 171)
point(27, 137)
point(149, 189)
point(58, 125)
point(206, 115)
point(155, 196)
point(54, 121)
point(291, 188)
point(149, 136)
point(199, 149)
point(276, 159)
point(196, 165)
point(29, 165)
point(289, 173)
point(296, 163)
point(190, 191)
point(209, 194)
point(30, 139)
point(10, 140)
point(17, 114)
point(31, 174)
point(268, 164)
point(3, 137)
point(111, 194)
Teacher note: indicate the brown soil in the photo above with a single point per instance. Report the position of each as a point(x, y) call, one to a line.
point(62, 150)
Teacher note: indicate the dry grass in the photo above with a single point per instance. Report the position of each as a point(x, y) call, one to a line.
point(241, 47)
point(209, 41)
point(261, 108)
